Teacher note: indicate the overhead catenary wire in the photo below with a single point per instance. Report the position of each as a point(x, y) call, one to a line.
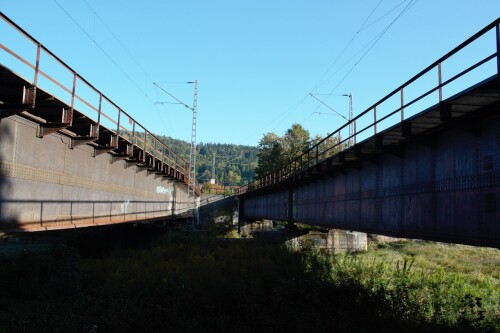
point(381, 17)
point(375, 41)
point(111, 58)
point(175, 98)
point(328, 106)
point(325, 76)
point(116, 38)
point(321, 81)
point(100, 48)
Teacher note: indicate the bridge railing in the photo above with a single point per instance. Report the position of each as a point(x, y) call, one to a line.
point(72, 89)
point(57, 214)
point(372, 121)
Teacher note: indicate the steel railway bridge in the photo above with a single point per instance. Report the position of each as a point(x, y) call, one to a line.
point(423, 162)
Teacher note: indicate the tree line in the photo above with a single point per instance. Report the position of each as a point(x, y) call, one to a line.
point(275, 152)
point(237, 165)
point(234, 164)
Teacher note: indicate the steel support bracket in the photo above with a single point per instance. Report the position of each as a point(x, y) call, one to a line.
point(67, 116)
point(129, 162)
point(99, 150)
point(48, 128)
point(445, 111)
point(7, 110)
point(141, 167)
point(342, 158)
point(379, 141)
point(406, 129)
point(29, 97)
point(73, 142)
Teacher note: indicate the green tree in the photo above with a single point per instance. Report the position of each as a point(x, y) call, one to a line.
point(233, 178)
point(326, 147)
point(275, 152)
point(295, 142)
point(270, 155)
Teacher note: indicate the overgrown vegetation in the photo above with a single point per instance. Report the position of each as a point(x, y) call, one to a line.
point(200, 282)
point(452, 286)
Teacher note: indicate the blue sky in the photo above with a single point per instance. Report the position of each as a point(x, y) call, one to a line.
point(256, 61)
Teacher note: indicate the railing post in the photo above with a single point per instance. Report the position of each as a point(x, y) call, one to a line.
point(37, 65)
point(374, 120)
point(339, 140)
point(354, 121)
point(41, 214)
point(498, 57)
point(73, 91)
point(440, 81)
point(99, 110)
point(118, 125)
point(145, 145)
point(402, 105)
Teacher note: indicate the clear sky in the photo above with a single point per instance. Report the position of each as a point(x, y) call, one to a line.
point(256, 61)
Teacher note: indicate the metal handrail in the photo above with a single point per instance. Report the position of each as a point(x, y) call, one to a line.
point(168, 156)
point(305, 161)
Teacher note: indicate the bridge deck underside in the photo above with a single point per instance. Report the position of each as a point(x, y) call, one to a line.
point(434, 176)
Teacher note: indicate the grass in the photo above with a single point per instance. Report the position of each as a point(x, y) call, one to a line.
point(450, 285)
point(198, 282)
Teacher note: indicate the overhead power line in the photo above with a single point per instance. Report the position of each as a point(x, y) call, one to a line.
point(111, 58)
point(169, 94)
point(322, 102)
point(375, 41)
point(116, 38)
point(100, 48)
point(367, 48)
point(322, 80)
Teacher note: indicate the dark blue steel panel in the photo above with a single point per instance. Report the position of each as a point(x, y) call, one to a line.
point(447, 189)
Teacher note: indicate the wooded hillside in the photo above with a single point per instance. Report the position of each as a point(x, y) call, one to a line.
point(234, 164)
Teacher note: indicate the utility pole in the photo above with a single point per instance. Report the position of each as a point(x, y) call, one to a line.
point(352, 127)
point(191, 220)
point(191, 205)
point(212, 181)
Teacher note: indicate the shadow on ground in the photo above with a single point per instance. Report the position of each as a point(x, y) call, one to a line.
point(134, 281)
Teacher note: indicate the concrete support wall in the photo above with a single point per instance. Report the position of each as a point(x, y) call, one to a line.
point(46, 185)
point(447, 190)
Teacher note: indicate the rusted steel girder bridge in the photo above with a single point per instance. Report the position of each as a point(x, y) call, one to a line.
point(69, 156)
point(424, 161)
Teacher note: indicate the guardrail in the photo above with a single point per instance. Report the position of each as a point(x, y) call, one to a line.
point(334, 143)
point(117, 121)
point(57, 214)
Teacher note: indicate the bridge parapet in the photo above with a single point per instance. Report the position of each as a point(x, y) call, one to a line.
point(58, 99)
point(69, 155)
point(431, 175)
point(395, 118)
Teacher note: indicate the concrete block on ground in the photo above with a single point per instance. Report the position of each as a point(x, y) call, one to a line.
point(341, 241)
point(247, 228)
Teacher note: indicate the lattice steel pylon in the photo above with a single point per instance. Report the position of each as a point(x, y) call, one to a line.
point(191, 220)
point(352, 125)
